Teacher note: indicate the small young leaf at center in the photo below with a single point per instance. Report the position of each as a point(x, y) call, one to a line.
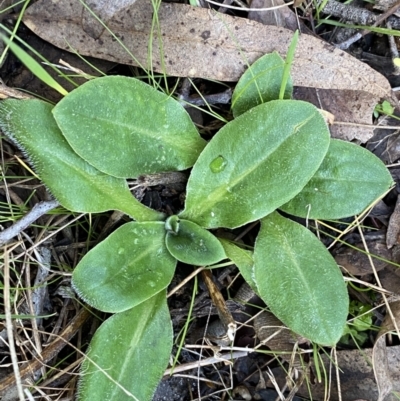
point(193, 245)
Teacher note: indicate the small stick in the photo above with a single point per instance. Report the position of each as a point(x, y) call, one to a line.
point(219, 302)
point(378, 20)
point(208, 361)
point(37, 211)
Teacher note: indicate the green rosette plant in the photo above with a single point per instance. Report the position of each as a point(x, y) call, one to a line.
point(276, 154)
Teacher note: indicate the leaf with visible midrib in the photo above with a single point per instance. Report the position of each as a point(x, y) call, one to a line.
point(127, 128)
point(77, 185)
point(256, 163)
point(131, 351)
point(128, 267)
point(300, 281)
point(349, 180)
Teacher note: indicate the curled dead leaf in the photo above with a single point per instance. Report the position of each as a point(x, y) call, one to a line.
point(355, 262)
point(383, 377)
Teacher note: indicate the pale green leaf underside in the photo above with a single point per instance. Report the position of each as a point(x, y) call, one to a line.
point(260, 83)
point(300, 281)
point(132, 348)
point(194, 245)
point(74, 183)
point(349, 180)
point(256, 163)
point(243, 259)
point(126, 128)
point(127, 268)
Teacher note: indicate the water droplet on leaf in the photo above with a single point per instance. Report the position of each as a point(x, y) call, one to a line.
point(218, 164)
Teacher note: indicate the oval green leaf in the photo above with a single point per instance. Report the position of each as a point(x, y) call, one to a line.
point(126, 128)
point(127, 268)
point(256, 163)
point(194, 245)
point(76, 184)
point(349, 180)
point(260, 83)
point(128, 354)
point(300, 281)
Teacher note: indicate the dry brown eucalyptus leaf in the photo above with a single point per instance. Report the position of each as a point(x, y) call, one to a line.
point(347, 106)
point(393, 230)
point(390, 277)
point(354, 261)
point(200, 43)
point(356, 376)
point(383, 377)
point(273, 333)
point(282, 17)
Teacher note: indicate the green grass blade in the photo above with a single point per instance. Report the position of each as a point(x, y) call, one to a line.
point(34, 66)
point(288, 64)
point(376, 29)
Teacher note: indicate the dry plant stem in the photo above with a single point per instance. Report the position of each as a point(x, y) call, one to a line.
point(219, 302)
point(53, 233)
point(208, 361)
point(251, 9)
point(393, 127)
point(10, 328)
point(6, 92)
point(183, 282)
point(151, 180)
point(43, 256)
point(37, 211)
point(50, 352)
point(393, 49)
point(395, 23)
point(217, 98)
point(348, 12)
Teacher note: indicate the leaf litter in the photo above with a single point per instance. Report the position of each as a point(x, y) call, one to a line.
point(206, 45)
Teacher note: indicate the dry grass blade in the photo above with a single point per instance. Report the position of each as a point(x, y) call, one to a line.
point(49, 352)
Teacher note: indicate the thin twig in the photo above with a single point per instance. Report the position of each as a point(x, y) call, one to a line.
point(10, 328)
point(378, 20)
point(208, 361)
point(37, 211)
